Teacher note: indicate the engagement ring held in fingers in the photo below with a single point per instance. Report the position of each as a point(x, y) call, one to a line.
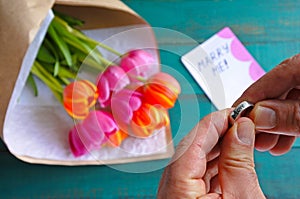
point(240, 110)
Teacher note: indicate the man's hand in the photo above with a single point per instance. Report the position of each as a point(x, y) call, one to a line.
point(276, 114)
point(213, 161)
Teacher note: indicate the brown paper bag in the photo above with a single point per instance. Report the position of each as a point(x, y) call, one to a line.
point(21, 22)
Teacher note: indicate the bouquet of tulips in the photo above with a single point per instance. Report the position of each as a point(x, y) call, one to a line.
point(127, 98)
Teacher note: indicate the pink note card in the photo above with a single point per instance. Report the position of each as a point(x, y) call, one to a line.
point(223, 68)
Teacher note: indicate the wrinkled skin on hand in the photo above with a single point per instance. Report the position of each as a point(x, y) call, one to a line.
point(213, 161)
point(276, 114)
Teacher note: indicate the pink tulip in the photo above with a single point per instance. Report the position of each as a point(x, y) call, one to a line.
point(92, 132)
point(138, 64)
point(123, 104)
point(136, 116)
point(111, 80)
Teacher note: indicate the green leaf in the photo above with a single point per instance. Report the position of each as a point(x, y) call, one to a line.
point(63, 71)
point(44, 55)
point(61, 44)
point(32, 83)
point(72, 21)
point(56, 68)
point(51, 48)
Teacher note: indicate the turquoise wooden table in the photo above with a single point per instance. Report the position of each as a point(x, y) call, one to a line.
point(269, 29)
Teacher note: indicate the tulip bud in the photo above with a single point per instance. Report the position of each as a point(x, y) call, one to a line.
point(111, 80)
point(79, 97)
point(147, 119)
point(162, 89)
point(92, 132)
point(139, 64)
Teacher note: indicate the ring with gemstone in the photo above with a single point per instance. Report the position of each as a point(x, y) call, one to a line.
point(240, 110)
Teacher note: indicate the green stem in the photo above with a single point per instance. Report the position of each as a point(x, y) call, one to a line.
point(65, 80)
point(87, 60)
point(106, 62)
point(46, 77)
point(57, 92)
point(76, 43)
point(42, 78)
point(58, 96)
point(140, 78)
point(66, 73)
point(80, 35)
point(109, 49)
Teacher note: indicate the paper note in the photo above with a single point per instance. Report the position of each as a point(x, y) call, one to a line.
point(223, 68)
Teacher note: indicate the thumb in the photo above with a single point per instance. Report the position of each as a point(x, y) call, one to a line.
point(237, 175)
point(280, 116)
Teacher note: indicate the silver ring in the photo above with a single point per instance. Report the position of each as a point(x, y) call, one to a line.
point(240, 111)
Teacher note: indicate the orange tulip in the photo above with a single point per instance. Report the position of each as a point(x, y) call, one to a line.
point(162, 89)
point(79, 97)
point(117, 138)
point(147, 119)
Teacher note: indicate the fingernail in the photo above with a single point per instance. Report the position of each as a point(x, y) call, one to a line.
point(265, 118)
point(245, 132)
